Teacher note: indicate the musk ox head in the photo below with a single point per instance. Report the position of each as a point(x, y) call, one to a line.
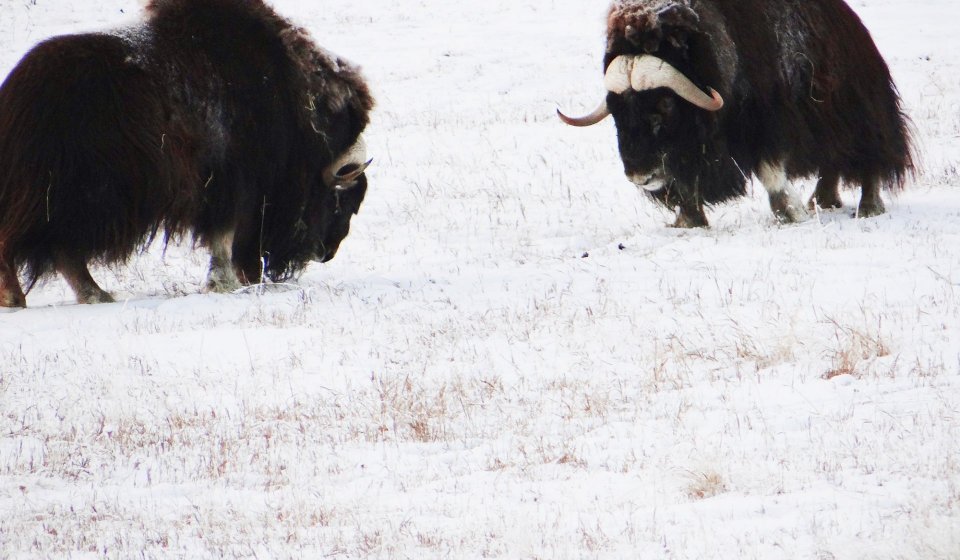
point(345, 185)
point(337, 111)
point(656, 105)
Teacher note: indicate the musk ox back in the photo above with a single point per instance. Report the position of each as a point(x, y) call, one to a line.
point(705, 93)
point(215, 118)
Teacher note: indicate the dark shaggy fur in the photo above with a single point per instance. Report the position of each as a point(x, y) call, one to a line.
point(805, 91)
point(215, 117)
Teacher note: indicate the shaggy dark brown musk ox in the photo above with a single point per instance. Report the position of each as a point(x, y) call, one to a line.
point(216, 118)
point(705, 93)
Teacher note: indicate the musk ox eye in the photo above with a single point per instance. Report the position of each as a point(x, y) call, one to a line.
point(651, 45)
point(677, 39)
point(666, 105)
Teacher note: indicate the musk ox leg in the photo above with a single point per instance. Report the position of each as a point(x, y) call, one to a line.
point(222, 277)
point(870, 202)
point(784, 200)
point(11, 294)
point(74, 270)
point(827, 194)
point(690, 216)
point(689, 207)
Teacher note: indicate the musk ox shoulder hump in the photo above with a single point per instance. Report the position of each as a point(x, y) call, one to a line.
point(330, 79)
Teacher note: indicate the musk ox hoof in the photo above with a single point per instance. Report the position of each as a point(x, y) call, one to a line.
point(8, 304)
point(787, 208)
point(223, 287)
point(792, 215)
point(688, 219)
point(222, 277)
point(12, 300)
point(869, 209)
point(222, 282)
point(823, 202)
point(94, 296)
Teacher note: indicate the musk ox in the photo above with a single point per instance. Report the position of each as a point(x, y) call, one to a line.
point(705, 93)
point(216, 118)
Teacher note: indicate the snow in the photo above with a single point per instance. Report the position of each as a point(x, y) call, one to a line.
point(483, 370)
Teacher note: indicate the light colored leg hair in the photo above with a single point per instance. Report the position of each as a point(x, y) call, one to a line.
point(784, 200)
point(222, 277)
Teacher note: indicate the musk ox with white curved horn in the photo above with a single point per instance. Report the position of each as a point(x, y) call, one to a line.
point(705, 93)
point(215, 118)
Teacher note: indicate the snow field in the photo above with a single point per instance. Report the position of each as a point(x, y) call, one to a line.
point(511, 356)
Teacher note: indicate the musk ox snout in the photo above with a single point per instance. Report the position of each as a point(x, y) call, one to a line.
point(650, 182)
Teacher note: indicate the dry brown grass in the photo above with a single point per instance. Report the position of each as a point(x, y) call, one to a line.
point(854, 347)
point(705, 485)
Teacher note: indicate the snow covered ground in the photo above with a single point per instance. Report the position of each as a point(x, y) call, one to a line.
point(511, 356)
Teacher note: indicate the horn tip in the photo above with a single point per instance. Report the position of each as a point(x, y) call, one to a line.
point(717, 99)
point(598, 114)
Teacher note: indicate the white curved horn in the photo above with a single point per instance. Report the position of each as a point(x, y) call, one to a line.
point(349, 173)
point(641, 73)
point(649, 72)
point(617, 77)
point(617, 80)
point(595, 116)
point(354, 159)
